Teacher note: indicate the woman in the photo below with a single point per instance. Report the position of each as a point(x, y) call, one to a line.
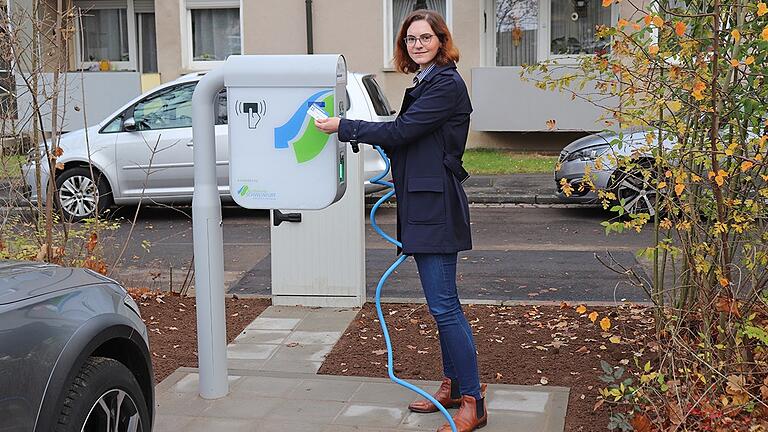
point(425, 144)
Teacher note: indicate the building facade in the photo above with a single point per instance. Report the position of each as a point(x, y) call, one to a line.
point(160, 40)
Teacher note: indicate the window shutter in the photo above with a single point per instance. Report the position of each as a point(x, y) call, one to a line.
point(101, 4)
point(144, 6)
point(212, 4)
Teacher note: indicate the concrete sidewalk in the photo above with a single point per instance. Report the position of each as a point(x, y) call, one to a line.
point(274, 387)
point(507, 189)
point(488, 189)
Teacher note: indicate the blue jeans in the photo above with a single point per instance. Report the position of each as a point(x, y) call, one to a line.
point(438, 279)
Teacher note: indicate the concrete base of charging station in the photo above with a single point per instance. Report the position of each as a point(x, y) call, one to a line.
point(318, 301)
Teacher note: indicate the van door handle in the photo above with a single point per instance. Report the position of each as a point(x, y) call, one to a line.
point(190, 143)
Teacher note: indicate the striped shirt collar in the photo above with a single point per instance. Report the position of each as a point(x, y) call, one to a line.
point(422, 73)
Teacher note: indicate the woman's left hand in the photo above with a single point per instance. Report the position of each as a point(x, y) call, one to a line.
point(329, 125)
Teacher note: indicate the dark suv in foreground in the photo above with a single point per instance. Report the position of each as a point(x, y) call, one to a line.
point(74, 352)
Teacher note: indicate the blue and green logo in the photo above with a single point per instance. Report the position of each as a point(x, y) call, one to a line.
point(312, 141)
point(243, 190)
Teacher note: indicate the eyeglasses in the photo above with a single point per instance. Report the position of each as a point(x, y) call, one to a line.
point(425, 39)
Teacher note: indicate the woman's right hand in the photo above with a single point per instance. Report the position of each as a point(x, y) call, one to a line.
point(329, 125)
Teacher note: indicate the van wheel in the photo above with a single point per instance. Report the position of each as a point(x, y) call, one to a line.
point(79, 196)
point(104, 396)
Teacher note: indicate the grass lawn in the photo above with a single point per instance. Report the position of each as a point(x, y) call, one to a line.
point(10, 166)
point(494, 162)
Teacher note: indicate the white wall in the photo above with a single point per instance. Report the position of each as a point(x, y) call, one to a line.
point(105, 92)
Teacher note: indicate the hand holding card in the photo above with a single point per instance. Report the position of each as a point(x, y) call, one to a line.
point(328, 125)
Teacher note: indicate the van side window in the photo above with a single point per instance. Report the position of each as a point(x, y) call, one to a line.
point(116, 125)
point(168, 109)
point(220, 110)
point(380, 102)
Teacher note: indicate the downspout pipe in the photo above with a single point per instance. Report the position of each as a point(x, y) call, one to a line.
point(310, 37)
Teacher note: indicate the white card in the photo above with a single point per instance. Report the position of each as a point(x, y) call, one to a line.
point(316, 112)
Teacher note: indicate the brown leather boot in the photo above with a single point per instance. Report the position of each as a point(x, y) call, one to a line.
point(443, 395)
point(472, 415)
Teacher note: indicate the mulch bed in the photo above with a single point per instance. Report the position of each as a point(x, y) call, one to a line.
point(172, 324)
point(525, 345)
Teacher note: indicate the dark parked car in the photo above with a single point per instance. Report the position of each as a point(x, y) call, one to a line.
point(74, 352)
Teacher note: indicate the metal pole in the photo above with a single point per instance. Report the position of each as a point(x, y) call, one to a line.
point(310, 36)
point(208, 243)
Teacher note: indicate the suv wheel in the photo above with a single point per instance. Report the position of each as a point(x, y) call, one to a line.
point(104, 397)
point(637, 191)
point(79, 196)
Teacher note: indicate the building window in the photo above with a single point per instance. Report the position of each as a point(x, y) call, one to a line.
point(517, 26)
point(7, 79)
point(573, 27)
point(527, 31)
point(105, 35)
point(147, 42)
point(106, 38)
point(215, 34)
point(395, 12)
point(212, 32)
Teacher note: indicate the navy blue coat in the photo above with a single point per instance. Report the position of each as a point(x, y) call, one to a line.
point(425, 144)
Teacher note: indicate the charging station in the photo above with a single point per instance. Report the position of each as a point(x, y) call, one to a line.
point(279, 161)
point(277, 157)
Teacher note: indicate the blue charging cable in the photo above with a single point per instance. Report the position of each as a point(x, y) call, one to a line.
point(390, 364)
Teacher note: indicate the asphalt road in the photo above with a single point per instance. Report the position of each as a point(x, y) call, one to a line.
point(541, 254)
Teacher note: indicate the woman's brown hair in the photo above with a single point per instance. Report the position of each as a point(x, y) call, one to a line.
point(445, 54)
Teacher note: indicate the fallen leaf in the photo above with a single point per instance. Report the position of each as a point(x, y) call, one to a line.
point(675, 413)
point(379, 352)
point(641, 423)
point(581, 309)
point(598, 404)
point(42, 252)
point(605, 323)
point(593, 316)
point(551, 124)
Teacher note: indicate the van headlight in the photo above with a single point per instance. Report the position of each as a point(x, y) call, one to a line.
point(588, 153)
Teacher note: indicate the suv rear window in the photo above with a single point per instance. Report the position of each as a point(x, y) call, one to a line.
point(380, 102)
